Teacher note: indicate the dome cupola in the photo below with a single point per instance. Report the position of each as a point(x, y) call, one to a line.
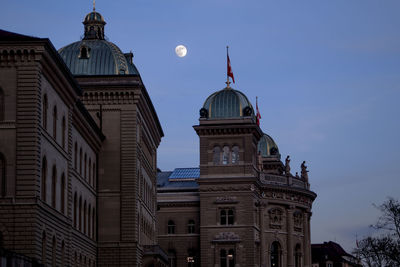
point(267, 147)
point(93, 55)
point(94, 25)
point(227, 103)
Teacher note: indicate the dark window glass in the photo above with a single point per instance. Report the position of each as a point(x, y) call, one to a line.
point(223, 217)
point(231, 217)
point(76, 156)
point(171, 227)
point(44, 179)
point(55, 122)
point(222, 257)
point(191, 227)
point(54, 187)
point(2, 108)
point(275, 254)
point(3, 183)
point(45, 106)
point(62, 193)
point(231, 258)
point(63, 132)
point(75, 209)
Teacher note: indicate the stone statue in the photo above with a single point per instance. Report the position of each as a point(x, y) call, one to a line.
point(260, 161)
point(287, 165)
point(304, 172)
point(297, 175)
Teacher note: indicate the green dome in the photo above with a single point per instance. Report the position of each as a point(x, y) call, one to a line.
point(97, 57)
point(94, 55)
point(267, 147)
point(227, 103)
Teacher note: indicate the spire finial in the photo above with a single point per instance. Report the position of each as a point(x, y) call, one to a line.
point(94, 5)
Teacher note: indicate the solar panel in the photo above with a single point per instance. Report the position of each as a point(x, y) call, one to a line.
point(185, 173)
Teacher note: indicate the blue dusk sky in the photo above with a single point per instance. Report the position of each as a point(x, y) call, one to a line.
point(326, 73)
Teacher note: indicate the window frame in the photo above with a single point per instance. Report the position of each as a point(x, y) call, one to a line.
point(171, 227)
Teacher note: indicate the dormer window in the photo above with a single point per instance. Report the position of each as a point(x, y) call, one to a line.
point(84, 53)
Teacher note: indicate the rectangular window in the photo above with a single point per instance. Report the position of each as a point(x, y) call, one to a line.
point(227, 216)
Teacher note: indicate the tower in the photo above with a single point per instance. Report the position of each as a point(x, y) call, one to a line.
point(115, 96)
point(228, 180)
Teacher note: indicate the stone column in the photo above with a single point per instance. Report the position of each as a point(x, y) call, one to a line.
point(263, 255)
point(307, 238)
point(290, 211)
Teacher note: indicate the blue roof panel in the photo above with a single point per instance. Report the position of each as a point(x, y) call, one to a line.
point(185, 173)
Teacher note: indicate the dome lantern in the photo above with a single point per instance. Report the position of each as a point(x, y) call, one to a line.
point(94, 25)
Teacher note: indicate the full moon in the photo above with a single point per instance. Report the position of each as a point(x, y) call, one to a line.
point(180, 51)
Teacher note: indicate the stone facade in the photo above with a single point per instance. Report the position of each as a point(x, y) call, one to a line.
point(247, 210)
point(77, 155)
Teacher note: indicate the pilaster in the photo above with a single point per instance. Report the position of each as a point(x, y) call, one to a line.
point(290, 211)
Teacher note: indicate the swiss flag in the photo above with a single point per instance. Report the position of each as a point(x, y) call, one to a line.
point(230, 73)
point(258, 113)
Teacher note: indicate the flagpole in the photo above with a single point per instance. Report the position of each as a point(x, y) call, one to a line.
point(227, 74)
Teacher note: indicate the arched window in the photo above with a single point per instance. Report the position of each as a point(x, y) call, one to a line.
point(235, 154)
point(62, 253)
point(191, 227)
point(76, 156)
point(54, 249)
point(63, 132)
point(297, 256)
point(171, 227)
point(276, 254)
point(44, 178)
point(2, 109)
point(45, 106)
point(54, 187)
point(44, 248)
point(75, 209)
point(84, 217)
point(80, 214)
point(94, 224)
point(94, 175)
point(55, 122)
point(89, 221)
point(90, 171)
point(171, 258)
point(3, 183)
point(217, 155)
point(85, 167)
point(62, 193)
point(225, 155)
point(80, 161)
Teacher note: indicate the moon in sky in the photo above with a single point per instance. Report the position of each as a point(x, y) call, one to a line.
point(180, 51)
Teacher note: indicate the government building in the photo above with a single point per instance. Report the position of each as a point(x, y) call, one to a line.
point(79, 183)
